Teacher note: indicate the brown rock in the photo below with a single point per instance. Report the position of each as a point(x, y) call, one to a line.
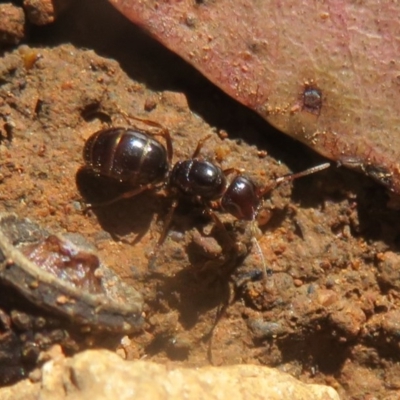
point(42, 12)
point(39, 12)
point(102, 374)
point(389, 270)
point(348, 318)
point(12, 24)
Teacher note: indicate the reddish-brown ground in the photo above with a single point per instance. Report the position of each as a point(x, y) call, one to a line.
point(327, 312)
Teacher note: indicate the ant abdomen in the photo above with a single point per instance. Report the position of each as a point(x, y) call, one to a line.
point(127, 155)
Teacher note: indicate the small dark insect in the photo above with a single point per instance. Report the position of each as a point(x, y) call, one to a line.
point(379, 173)
point(130, 155)
point(134, 156)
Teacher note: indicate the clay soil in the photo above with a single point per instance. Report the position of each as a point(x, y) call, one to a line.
point(327, 310)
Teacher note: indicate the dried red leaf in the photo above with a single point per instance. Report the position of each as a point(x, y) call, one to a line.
point(326, 74)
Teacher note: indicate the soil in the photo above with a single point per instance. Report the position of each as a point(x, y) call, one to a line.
point(320, 302)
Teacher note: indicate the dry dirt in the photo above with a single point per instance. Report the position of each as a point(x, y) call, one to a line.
point(328, 310)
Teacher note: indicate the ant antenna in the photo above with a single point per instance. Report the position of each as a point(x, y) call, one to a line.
point(284, 178)
point(254, 232)
point(261, 254)
point(309, 171)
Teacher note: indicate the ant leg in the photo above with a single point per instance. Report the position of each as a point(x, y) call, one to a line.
point(166, 135)
point(229, 171)
point(254, 233)
point(126, 195)
point(262, 192)
point(167, 223)
point(221, 312)
point(200, 144)
point(231, 243)
point(144, 120)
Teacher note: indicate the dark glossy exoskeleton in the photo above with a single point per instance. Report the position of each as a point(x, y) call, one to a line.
point(206, 183)
point(199, 179)
point(130, 155)
point(127, 155)
point(242, 198)
point(133, 156)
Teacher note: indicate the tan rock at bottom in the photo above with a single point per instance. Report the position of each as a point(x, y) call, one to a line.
point(100, 374)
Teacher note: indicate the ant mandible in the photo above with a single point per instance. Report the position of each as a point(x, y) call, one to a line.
point(132, 155)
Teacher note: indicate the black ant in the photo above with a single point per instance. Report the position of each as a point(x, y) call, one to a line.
point(134, 156)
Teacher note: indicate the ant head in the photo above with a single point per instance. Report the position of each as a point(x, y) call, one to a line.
point(241, 199)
